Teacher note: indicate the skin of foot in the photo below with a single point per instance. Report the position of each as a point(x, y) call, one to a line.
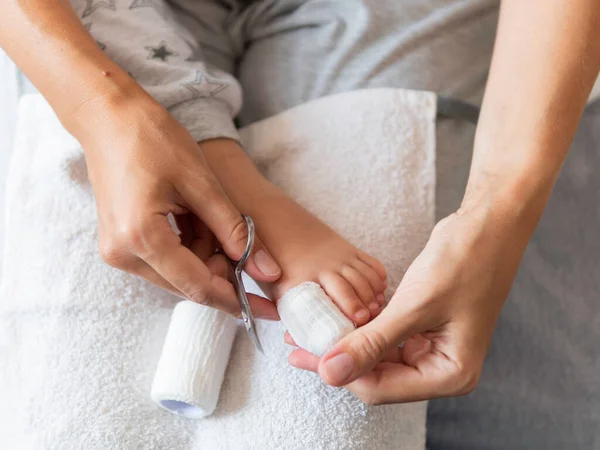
point(305, 248)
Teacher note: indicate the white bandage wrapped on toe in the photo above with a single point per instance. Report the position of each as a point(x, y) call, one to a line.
point(313, 320)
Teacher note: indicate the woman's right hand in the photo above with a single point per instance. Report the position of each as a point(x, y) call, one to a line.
point(143, 165)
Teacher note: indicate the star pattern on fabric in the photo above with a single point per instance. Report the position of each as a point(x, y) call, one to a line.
point(92, 5)
point(158, 5)
point(88, 26)
point(204, 86)
point(160, 52)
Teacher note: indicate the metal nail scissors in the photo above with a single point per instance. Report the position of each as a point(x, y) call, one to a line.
point(240, 290)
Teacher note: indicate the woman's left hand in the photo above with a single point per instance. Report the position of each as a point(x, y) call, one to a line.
point(444, 311)
point(446, 307)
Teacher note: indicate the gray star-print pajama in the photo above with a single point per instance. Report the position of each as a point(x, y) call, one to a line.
point(188, 53)
point(196, 57)
point(148, 39)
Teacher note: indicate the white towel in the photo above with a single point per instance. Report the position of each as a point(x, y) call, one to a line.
point(80, 342)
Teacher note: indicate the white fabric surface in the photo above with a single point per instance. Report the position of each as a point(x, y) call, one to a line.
point(80, 342)
point(313, 320)
point(9, 94)
point(193, 360)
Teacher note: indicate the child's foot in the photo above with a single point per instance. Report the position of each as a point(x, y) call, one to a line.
point(305, 248)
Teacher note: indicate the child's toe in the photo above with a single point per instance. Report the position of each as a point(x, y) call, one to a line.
point(361, 286)
point(375, 281)
point(345, 297)
point(374, 264)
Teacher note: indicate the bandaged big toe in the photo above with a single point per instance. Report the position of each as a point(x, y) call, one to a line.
point(193, 360)
point(312, 319)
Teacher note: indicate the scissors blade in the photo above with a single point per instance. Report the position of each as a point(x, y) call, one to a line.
point(247, 315)
point(240, 290)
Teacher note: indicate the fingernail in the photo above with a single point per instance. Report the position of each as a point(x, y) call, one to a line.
point(374, 306)
point(362, 314)
point(381, 299)
point(339, 368)
point(266, 264)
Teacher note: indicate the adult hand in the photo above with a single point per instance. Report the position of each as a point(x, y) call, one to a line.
point(144, 165)
point(444, 311)
point(447, 304)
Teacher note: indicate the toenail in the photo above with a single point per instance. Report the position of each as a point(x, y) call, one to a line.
point(266, 264)
point(374, 306)
point(381, 299)
point(362, 314)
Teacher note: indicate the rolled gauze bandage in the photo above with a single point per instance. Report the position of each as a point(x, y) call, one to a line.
point(313, 320)
point(193, 360)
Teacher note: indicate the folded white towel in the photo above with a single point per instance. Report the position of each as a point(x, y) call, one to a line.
point(193, 360)
point(80, 342)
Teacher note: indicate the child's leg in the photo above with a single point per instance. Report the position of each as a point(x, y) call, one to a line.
point(305, 248)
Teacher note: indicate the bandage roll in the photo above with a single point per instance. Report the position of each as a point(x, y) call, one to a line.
point(312, 319)
point(193, 360)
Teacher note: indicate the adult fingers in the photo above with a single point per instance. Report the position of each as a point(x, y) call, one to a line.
point(132, 264)
point(434, 376)
point(359, 352)
point(155, 242)
point(258, 266)
point(301, 359)
point(149, 274)
point(261, 266)
point(261, 307)
point(184, 228)
point(204, 196)
point(203, 243)
point(118, 255)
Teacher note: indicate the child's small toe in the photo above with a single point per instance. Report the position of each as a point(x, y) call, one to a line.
point(345, 297)
point(372, 277)
point(375, 264)
point(361, 286)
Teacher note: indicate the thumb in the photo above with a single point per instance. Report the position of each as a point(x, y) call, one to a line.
point(360, 351)
point(210, 203)
point(260, 265)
